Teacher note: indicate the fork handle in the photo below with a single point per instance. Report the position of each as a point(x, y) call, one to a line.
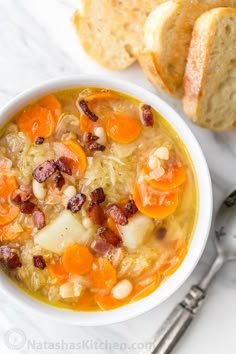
point(177, 322)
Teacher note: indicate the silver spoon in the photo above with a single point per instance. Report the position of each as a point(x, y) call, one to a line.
point(180, 318)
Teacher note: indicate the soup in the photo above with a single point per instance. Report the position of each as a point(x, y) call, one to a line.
point(98, 199)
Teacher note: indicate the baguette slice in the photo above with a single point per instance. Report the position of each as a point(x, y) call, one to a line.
point(111, 31)
point(210, 77)
point(167, 36)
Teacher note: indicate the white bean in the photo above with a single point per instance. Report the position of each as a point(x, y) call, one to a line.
point(39, 190)
point(153, 162)
point(122, 289)
point(162, 153)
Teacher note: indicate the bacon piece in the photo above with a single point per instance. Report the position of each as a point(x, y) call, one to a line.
point(39, 262)
point(27, 207)
point(39, 140)
point(147, 118)
point(22, 194)
point(76, 202)
point(18, 196)
point(93, 146)
point(10, 257)
point(96, 214)
point(59, 181)
point(44, 171)
point(84, 107)
point(14, 261)
point(100, 246)
point(117, 214)
point(130, 208)
point(97, 196)
point(64, 165)
point(110, 236)
point(39, 219)
point(88, 137)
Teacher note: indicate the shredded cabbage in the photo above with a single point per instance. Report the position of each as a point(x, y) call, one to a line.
point(67, 123)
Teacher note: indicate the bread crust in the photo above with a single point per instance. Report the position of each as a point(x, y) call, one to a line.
point(150, 68)
point(201, 86)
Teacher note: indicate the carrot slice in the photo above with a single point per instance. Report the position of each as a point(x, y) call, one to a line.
point(142, 289)
point(171, 179)
point(101, 96)
point(103, 274)
point(123, 129)
point(85, 124)
point(51, 102)
point(154, 203)
point(8, 213)
point(77, 259)
point(36, 121)
point(80, 159)
point(57, 271)
point(108, 302)
point(7, 185)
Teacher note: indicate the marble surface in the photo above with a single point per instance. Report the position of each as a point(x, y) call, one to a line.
point(37, 42)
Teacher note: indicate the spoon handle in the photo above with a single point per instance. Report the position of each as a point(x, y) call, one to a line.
point(177, 322)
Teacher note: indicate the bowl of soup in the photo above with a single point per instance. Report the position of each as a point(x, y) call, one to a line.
point(105, 200)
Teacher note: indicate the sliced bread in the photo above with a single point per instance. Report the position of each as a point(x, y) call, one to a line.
point(111, 31)
point(210, 77)
point(167, 36)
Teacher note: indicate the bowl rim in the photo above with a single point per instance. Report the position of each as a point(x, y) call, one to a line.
point(202, 227)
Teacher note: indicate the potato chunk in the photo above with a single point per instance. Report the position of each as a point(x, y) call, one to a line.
point(136, 232)
point(65, 230)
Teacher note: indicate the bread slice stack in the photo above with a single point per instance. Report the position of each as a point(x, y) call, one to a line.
point(167, 36)
point(186, 48)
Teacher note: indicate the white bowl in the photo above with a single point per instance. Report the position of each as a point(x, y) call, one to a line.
point(201, 230)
